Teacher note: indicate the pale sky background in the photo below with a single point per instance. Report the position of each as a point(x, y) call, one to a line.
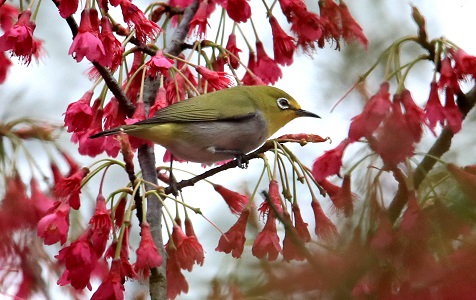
point(44, 90)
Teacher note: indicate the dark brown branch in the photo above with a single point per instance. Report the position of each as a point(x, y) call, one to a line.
point(229, 165)
point(124, 103)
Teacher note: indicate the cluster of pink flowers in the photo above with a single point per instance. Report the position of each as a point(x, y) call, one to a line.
point(393, 126)
point(267, 243)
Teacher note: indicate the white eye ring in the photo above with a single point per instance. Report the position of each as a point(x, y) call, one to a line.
point(283, 103)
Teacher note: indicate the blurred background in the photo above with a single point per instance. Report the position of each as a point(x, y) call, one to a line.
point(44, 89)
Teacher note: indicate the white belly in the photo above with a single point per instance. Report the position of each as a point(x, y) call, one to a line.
point(205, 140)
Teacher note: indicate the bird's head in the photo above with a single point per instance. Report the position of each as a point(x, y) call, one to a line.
point(278, 107)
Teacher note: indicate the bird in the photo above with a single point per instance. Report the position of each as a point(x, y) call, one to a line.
point(217, 126)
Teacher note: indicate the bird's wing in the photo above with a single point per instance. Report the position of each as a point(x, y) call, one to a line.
point(207, 107)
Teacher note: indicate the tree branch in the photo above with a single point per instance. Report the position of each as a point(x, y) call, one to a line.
point(146, 156)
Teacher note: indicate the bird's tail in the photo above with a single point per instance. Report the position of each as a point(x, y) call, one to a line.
point(107, 132)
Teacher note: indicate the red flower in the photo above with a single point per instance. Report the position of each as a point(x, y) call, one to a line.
point(176, 282)
point(67, 7)
point(80, 260)
point(119, 212)
point(393, 143)
point(189, 251)
point(54, 226)
point(384, 237)
point(113, 115)
point(159, 63)
point(134, 17)
point(86, 42)
point(414, 223)
point(73, 165)
point(300, 225)
point(346, 197)
point(101, 225)
point(465, 64)
point(234, 239)
point(160, 101)
point(148, 256)
point(249, 78)
point(79, 114)
point(453, 115)
point(434, 110)
point(330, 162)
point(112, 46)
point(267, 241)
point(88, 146)
point(292, 8)
point(217, 80)
point(414, 116)
point(330, 13)
point(125, 269)
point(139, 115)
point(266, 68)
point(235, 201)
point(231, 46)
point(218, 63)
point(5, 64)
point(332, 190)
point(283, 44)
point(196, 249)
point(273, 193)
point(8, 15)
point(324, 226)
point(375, 111)
point(19, 38)
point(292, 243)
point(113, 286)
point(448, 75)
point(69, 188)
point(41, 202)
point(19, 213)
point(350, 28)
point(308, 28)
point(238, 10)
point(199, 21)
point(133, 83)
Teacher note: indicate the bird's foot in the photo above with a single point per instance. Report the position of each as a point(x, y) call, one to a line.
point(242, 161)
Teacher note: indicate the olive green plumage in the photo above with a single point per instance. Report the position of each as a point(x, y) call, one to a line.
point(220, 125)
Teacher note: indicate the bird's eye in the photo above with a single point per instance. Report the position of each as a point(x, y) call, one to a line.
point(283, 103)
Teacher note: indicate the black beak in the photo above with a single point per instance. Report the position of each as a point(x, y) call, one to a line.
point(305, 113)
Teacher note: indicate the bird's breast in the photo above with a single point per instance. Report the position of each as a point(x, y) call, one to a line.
point(203, 141)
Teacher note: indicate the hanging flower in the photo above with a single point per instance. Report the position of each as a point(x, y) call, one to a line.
point(266, 68)
point(374, 112)
point(267, 241)
point(87, 43)
point(330, 162)
point(231, 46)
point(234, 239)
point(283, 44)
point(148, 256)
point(19, 38)
point(235, 201)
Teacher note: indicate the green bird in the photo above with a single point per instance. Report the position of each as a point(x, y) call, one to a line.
point(220, 125)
